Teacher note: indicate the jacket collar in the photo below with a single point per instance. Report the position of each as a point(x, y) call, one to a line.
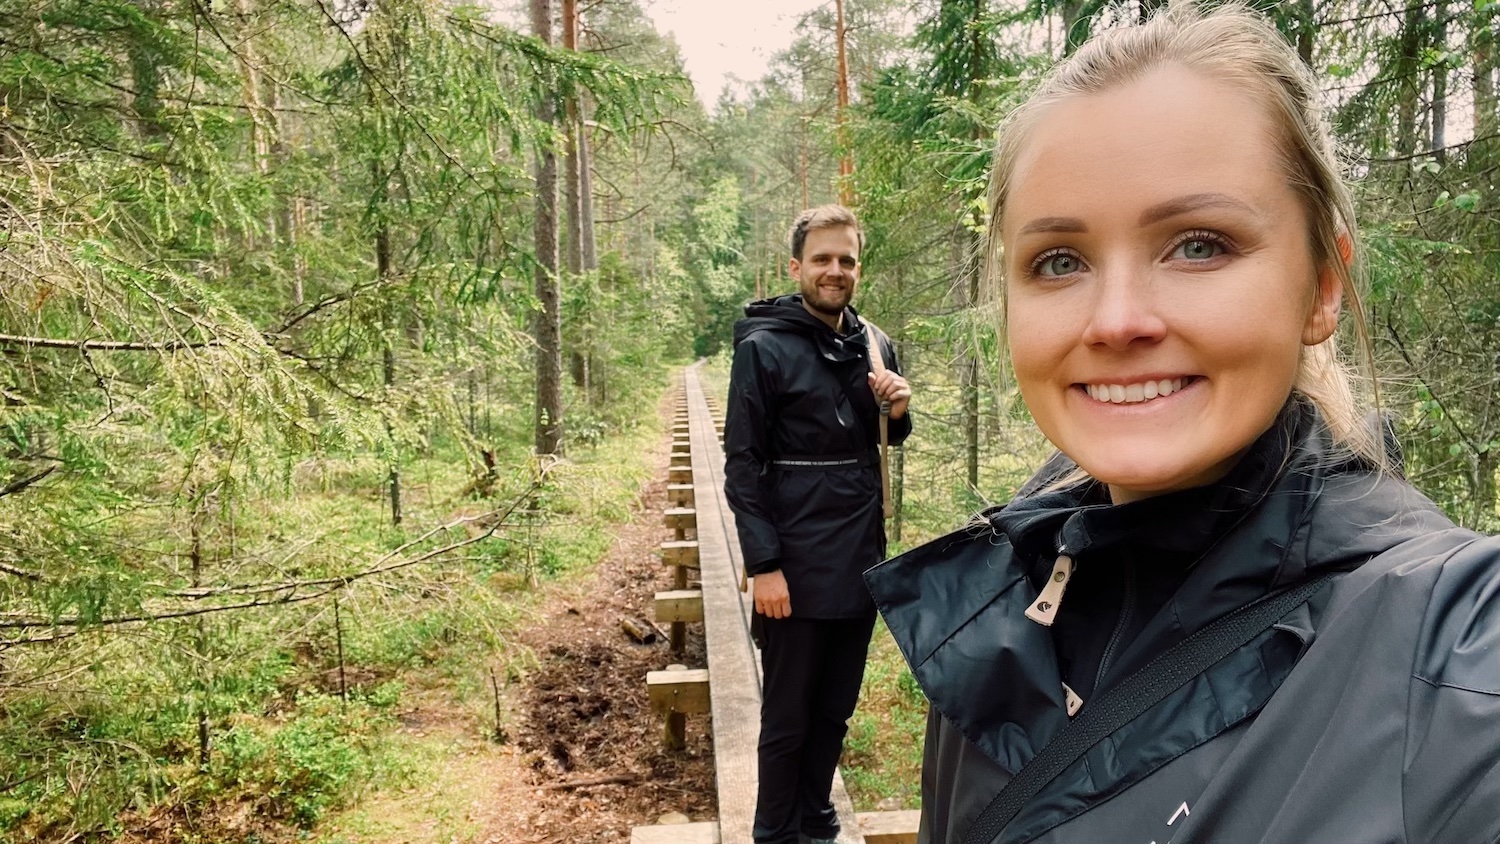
point(786, 313)
point(1292, 509)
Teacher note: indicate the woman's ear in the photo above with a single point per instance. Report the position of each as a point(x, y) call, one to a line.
point(1323, 318)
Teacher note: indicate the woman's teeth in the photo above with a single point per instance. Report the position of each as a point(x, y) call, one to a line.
point(1133, 393)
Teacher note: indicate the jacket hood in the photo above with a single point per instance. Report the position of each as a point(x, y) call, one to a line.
point(786, 313)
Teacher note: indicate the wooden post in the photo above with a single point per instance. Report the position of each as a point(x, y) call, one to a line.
point(678, 608)
point(677, 693)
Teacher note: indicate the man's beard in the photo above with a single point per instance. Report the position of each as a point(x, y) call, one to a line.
point(827, 305)
point(824, 308)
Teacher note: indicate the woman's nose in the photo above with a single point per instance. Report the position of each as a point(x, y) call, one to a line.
point(1123, 311)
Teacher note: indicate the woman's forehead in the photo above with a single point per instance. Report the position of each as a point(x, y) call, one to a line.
point(1169, 133)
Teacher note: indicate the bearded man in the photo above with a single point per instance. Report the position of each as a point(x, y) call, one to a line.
point(803, 479)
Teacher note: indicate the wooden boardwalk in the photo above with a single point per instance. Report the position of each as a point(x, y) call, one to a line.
point(734, 664)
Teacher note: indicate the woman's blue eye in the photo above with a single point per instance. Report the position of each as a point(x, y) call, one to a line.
point(1061, 264)
point(1199, 249)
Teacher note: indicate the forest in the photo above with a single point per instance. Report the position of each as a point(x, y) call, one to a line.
point(334, 336)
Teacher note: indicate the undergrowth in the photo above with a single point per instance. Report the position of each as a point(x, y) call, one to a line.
point(253, 724)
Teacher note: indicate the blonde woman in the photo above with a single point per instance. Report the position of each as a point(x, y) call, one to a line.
point(1218, 614)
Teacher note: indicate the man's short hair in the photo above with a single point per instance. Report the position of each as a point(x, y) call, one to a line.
point(823, 217)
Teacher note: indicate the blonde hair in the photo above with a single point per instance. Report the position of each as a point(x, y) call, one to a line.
point(1237, 46)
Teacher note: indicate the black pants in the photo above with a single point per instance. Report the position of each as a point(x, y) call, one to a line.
point(812, 670)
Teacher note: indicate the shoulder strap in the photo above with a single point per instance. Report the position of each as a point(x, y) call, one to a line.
point(1136, 694)
point(877, 360)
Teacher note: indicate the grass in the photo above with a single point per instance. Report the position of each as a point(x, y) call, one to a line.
point(882, 762)
point(109, 720)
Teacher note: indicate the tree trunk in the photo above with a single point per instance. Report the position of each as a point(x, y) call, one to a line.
point(1440, 85)
point(200, 644)
point(846, 155)
point(580, 228)
point(388, 351)
point(1410, 85)
point(260, 129)
point(548, 326)
point(586, 200)
point(1486, 112)
point(1307, 31)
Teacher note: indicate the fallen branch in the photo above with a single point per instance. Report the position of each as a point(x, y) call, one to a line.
point(17, 341)
point(616, 779)
point(24, 574)
point(285, 592)
point(16, 486)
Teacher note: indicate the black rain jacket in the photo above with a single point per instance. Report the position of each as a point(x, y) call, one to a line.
point(798, 392)
point(1370, 715)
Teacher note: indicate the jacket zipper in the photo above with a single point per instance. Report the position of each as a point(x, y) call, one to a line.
point(1127, 610)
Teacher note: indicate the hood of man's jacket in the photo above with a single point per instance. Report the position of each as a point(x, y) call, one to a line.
point(786, 314)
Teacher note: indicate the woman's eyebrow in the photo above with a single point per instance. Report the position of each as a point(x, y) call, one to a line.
point(1193, 202)
point(1054, 224)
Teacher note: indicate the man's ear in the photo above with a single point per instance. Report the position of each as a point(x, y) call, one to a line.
point(794, 269)
point(1323, 318)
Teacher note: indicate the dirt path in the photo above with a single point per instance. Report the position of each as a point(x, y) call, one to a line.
point(584, 712)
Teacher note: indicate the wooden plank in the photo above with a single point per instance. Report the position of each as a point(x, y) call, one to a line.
point(898, 827)
point(680, 518)
point(735, 692)
point(682, 552)
point(706, 832)
point(680, 495)
point(682, 447)
point(680, 475)
point(683, 460)
point(679, 605)
point(684, 691)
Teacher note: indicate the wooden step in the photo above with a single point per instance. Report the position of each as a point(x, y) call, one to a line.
point(680, 495)
point(679, 605)
point(681, 833)
point(681, 518)
point(681, 552)
point(898, 827)
point(683, 691)
point(680, 475)
point(675, 694)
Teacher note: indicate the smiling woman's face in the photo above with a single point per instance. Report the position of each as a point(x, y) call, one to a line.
point(1160, 280)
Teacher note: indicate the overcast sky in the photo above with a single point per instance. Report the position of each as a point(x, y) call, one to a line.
point(720, 38)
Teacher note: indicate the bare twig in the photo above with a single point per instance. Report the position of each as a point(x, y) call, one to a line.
point(16, 486)
point(17, 341)
point(287, 592)
point(613, 779)
point(24, 574)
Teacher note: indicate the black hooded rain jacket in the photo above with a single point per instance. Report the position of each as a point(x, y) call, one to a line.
point(798, 393)
point(1370, 715)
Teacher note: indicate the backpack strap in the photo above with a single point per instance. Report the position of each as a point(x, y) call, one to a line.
point(877, 366)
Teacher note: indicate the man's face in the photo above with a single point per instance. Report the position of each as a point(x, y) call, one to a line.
point(829, 269)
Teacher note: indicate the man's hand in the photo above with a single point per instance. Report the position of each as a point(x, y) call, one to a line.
point(889, 386)
point(771, 598)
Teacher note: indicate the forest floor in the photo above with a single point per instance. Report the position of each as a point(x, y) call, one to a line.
point(582, 758)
